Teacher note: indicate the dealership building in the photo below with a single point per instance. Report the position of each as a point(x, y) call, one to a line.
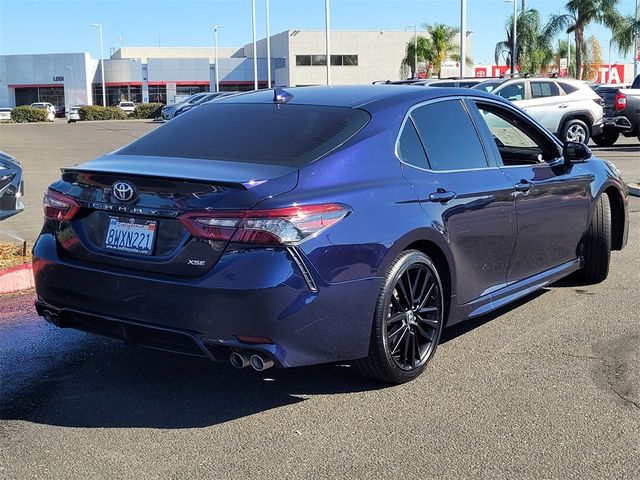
point(166, 74)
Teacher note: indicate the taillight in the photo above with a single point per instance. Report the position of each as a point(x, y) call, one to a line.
point(620, 101)
point(283, 226)
point(58, 206)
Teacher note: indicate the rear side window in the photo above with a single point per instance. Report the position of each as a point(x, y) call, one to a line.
point(568, 88)
point(287, 135)
point(512, 91)
point(410, 147)
point(449, 137)
point(544, 89)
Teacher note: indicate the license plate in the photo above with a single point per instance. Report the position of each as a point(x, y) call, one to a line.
point(130, 235)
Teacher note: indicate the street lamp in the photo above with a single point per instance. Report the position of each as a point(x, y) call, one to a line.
point(463, 36)
point(266, 6)
point(215, 42)
point(636, 46)
point(415, 49)
point(104, 90)
point(255, 48)
point(514, 36)
point(327, 28)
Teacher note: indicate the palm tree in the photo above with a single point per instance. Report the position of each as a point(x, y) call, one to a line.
point(425, 54)
point(443, 38)
point(580, 14)
point(533, 47)
point(625, 33)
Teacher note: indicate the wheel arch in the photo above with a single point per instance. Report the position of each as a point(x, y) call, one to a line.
point(617, 217)
point(583, 115)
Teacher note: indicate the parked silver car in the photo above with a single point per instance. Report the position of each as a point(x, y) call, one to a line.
point(169, 111)
point(11, 186)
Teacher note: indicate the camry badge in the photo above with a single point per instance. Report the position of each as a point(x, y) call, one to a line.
point(123, 191)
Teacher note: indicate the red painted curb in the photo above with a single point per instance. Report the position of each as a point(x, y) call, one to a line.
point(16, 279)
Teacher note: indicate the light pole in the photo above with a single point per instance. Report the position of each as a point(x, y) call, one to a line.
point(636, 47)
point(255, 48)
point(514, 35)
point(268, 46)
point(104, 90)
point(415, 49)
point(609, 70)
point(215, 42)
point(327, 28)
point(463, 36)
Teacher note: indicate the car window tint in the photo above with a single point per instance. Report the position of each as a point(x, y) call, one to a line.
point(443, 84)
point(512, 91)
point(517, 143)
point(568, 88)
point(264, 133)
point(410, 146)
point(449, 137)
point(544, 89)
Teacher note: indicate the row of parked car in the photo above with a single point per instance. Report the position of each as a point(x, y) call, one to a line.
point(572, 109)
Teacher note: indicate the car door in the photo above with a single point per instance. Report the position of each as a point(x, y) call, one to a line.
point(468, 200)
point(552, 202)
point(545, 103)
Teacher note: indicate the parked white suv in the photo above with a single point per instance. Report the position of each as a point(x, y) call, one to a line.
point(567, 107)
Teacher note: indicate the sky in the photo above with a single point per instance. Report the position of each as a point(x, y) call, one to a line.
point(62, 26)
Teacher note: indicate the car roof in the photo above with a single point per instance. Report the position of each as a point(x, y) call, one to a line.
point(354, 96)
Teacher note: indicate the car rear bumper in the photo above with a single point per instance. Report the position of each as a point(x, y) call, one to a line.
point(210, 312)
point(620, 122)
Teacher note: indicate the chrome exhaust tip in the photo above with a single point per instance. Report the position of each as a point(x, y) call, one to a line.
point(261, 362)
point(240, 359)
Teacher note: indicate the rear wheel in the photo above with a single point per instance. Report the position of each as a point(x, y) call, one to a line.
point(597, 243)
point(408, 320)
point(575, 130)
point(607, 138)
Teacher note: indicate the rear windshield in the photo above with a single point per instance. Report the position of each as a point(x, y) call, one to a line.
point(288, 135)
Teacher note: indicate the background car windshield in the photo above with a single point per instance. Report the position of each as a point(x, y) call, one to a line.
point(291, 135)
point(487, 86)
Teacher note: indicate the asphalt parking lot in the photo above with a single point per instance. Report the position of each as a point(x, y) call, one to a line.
point(546, 388)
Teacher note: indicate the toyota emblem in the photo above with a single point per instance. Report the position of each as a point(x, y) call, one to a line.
point(123, 191)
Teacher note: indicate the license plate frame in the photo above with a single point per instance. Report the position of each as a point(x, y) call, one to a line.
point(130, 235)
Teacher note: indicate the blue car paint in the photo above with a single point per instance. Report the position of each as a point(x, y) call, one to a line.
point(498, 246)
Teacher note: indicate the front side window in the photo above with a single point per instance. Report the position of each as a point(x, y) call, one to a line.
point(449, 137)
point(517, 141)
point(513, 91)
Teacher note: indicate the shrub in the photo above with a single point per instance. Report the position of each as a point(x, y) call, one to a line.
point(27, 114)
point(148, 110)
point(96, 112)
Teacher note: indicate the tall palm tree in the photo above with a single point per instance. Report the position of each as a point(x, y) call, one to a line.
point(580, 14)
point(425, 54)
point(533, 47)
point(625, 33)
point(443, 38)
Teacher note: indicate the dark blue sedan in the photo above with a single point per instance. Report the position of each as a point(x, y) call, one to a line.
point(311, 225)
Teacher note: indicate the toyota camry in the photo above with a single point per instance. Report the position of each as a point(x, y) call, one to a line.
point(300, 226)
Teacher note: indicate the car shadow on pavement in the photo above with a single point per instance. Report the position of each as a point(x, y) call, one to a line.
point(107, 384)
point(110, 385)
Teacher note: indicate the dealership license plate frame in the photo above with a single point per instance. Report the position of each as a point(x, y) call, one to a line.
point(125, 225)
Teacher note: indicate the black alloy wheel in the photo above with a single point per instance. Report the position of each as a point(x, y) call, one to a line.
point(408, 321)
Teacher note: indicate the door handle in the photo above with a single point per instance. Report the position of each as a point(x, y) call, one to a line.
point(523, 186)
point(564, 105)
point(442, 196)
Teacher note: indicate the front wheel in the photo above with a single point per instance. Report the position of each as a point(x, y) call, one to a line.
point(408, 320)
point(607, 138)
point(597, 243)
point(574, 130)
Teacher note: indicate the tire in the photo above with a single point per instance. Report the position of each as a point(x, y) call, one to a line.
point(597, 243)
point(408, 320)
point(606, 138)
point(575, 130)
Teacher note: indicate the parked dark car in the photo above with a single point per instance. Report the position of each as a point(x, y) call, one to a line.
point(206, 98)
point(621, 112)
point(11, 186)
point(317, 224)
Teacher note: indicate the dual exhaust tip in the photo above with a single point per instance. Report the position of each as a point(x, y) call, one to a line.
point(259, 361)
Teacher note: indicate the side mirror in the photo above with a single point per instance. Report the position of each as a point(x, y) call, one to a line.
point(575, 152)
